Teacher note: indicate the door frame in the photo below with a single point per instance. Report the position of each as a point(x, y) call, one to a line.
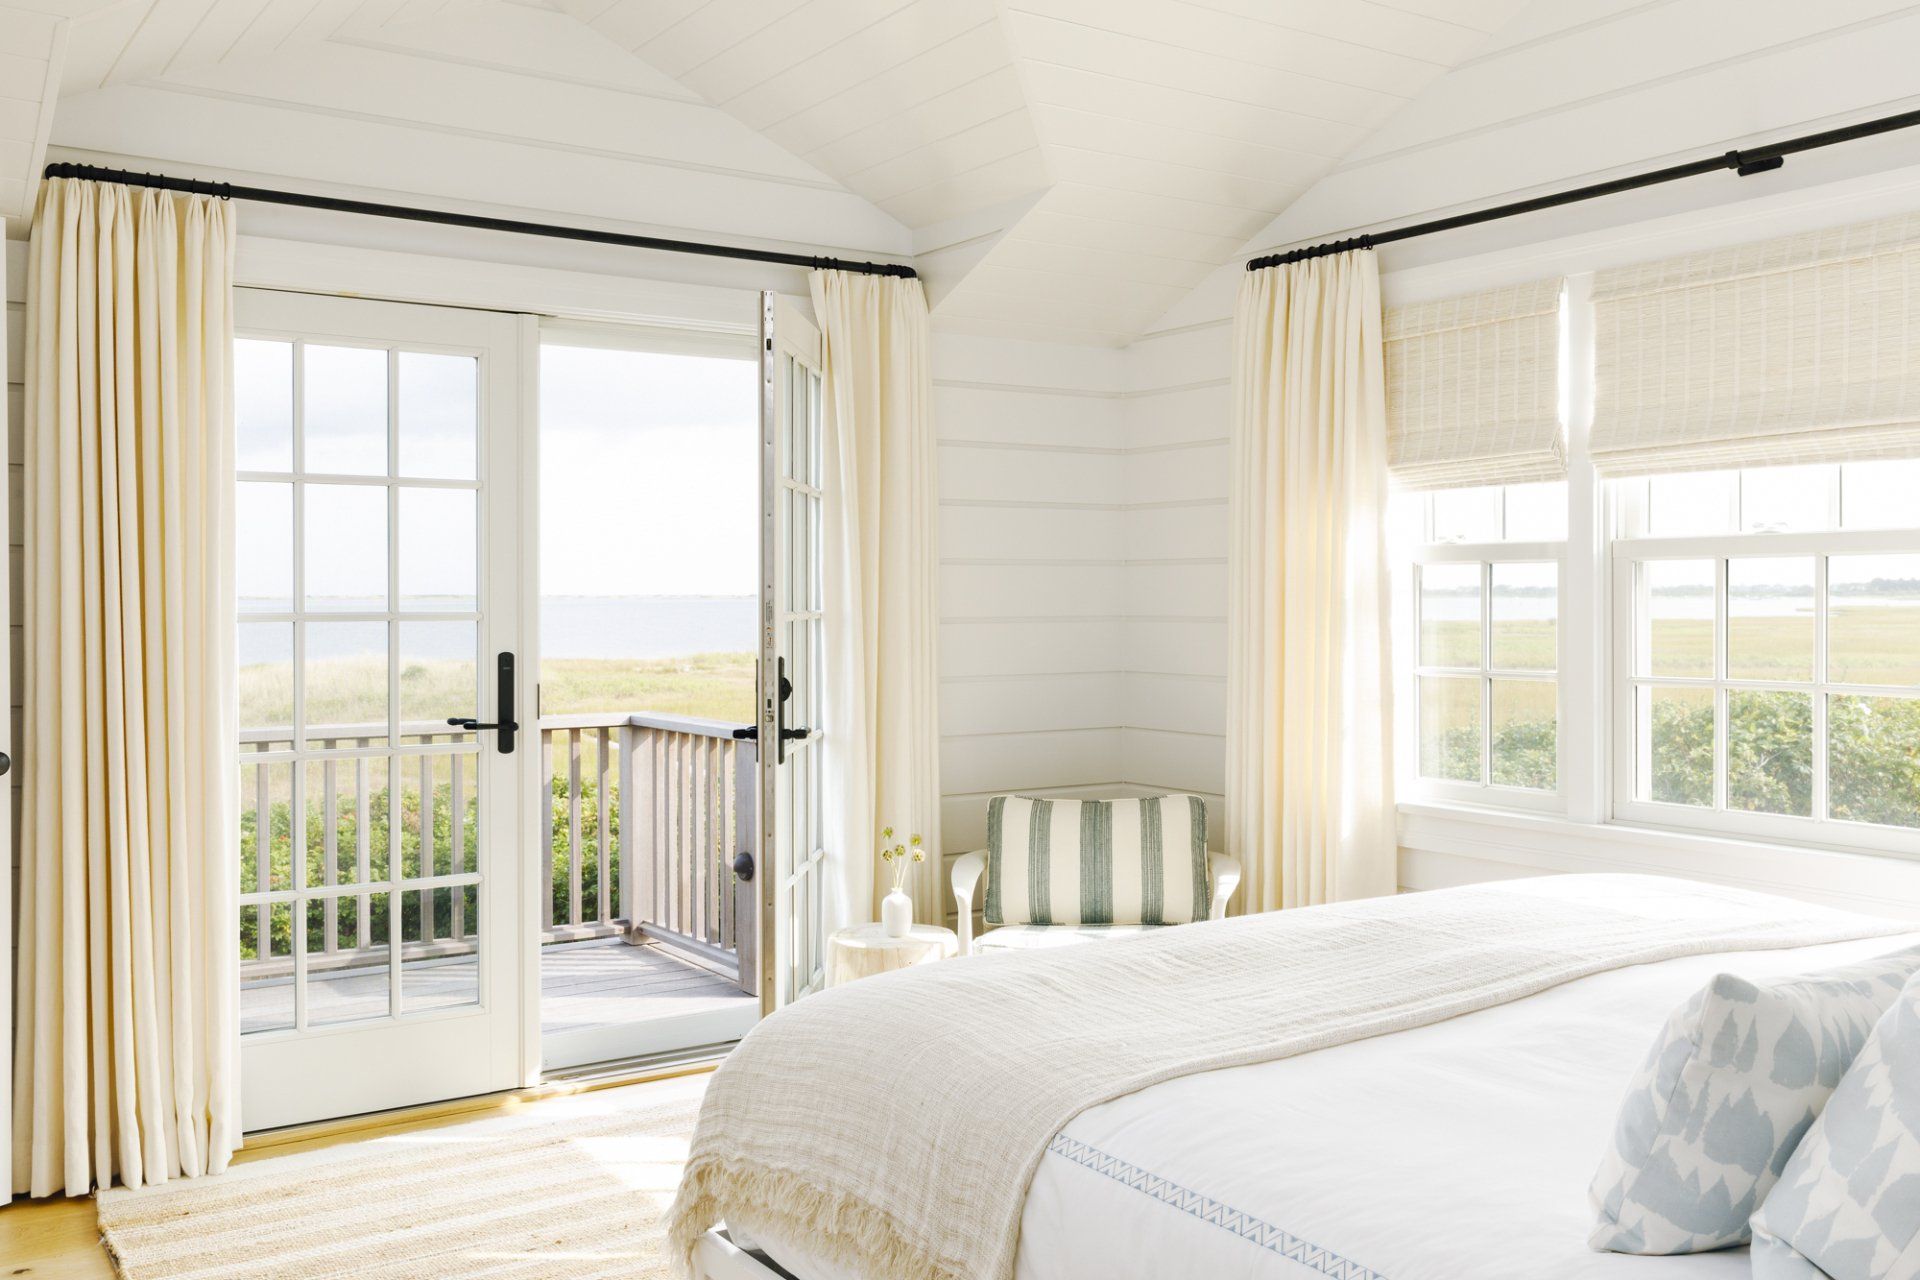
point(496, 1057)
point(786, 333)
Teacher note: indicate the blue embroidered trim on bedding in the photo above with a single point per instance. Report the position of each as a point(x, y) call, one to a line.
point(1245, 1225)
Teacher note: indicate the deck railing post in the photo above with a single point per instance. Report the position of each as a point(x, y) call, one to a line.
point(632, 815)
point(546, 829)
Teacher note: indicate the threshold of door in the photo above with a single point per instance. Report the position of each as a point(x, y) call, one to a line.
point(610, 1075)
point(638, 1069)
point(648, 1038)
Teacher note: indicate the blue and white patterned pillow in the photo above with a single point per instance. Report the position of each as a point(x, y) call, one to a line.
point(1738, 1075)
point(1848, 1204)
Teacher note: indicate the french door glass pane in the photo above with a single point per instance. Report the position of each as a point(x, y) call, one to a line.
point(1770, 751)
point(264, 656)
point(266, 835)
point(346, 548)
point(1873, 619)
point(439, 537)
point(346, 684)
point(1770, 618)
point(439, 416)
point(344, 424)
point(440, 920)
point(263, 405)
point(1678, 626)
point(439, 673)
point(1450, 615)
point(350, 983)
point(263, 560)
point(266, 949)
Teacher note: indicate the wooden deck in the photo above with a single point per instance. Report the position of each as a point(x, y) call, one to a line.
point(583, 986)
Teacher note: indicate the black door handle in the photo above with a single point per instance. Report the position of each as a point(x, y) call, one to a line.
point(749, 734)
point(505, 727)
point(6, 764)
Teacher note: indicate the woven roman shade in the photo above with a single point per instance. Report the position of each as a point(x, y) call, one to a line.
point(1473, 389)
point(1799, 350)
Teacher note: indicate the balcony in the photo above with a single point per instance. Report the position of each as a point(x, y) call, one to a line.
point(643, 917)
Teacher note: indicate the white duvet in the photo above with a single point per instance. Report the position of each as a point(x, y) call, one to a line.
point(1461, 1149)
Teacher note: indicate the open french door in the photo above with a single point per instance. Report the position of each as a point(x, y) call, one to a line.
point(793, 857)
point(378, 541)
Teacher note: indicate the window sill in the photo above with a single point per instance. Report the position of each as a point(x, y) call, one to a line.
point(1447, 844)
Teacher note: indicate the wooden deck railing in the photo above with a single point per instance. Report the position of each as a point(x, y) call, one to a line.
point(644, 819)
point(682, 809)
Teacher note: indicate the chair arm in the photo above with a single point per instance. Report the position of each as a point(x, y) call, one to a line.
point(967, 869)
point(1223, 871)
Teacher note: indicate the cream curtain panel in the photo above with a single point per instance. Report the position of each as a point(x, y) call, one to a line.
point(1797, 350)
point(1473, 389)
point(1309, 801)
point(882, 743)
point(126, 1023)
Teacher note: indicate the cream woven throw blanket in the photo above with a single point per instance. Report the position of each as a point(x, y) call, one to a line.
point(892, 1126)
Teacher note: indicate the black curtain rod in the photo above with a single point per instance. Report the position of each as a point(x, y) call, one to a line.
point(265, 195)
point(1745, 163)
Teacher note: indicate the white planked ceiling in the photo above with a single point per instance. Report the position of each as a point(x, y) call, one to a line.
point(1175, 129)
point(1136, 143)
point(128, 41)
point(33, 41)
point(914, 104)
point(1070, 168)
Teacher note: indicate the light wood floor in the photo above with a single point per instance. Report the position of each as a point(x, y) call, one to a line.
point(59, 1240)
point(583, 985)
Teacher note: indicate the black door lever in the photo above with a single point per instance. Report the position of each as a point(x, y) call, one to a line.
point(505, 728)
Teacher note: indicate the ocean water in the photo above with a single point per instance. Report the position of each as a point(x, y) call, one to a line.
point(570, 627)
point(646, 626)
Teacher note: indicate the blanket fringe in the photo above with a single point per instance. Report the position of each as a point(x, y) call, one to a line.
point(846, 1232)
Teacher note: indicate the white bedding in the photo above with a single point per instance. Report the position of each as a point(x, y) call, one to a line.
point(1460, 1149)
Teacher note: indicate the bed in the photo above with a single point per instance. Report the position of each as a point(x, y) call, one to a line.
point(1462, 1146)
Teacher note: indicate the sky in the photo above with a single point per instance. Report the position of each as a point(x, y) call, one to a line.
point(649, 474)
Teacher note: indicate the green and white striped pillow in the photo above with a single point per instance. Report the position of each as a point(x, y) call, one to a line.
point(1138, 861)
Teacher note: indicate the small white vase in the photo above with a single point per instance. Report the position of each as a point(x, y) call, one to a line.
point(896, 914)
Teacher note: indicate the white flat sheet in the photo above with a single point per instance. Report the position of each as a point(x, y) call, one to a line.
point(1454, 1151)
point(1461, 1149)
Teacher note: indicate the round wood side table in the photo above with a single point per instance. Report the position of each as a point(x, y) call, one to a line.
point(865, 949)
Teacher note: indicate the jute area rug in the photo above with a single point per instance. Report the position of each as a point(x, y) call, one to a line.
point(571, 1189)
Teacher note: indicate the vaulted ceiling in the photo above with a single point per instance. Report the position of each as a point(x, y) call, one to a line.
point(1067, 168)
point(1131, 145)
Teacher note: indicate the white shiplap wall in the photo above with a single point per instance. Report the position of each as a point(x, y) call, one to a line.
point(1032, 574)
point(1176, 537)
point(1567, 92)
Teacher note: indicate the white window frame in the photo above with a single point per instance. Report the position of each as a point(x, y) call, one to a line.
point(1485, 792)
point(1626, 554)
point(1597, 756)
